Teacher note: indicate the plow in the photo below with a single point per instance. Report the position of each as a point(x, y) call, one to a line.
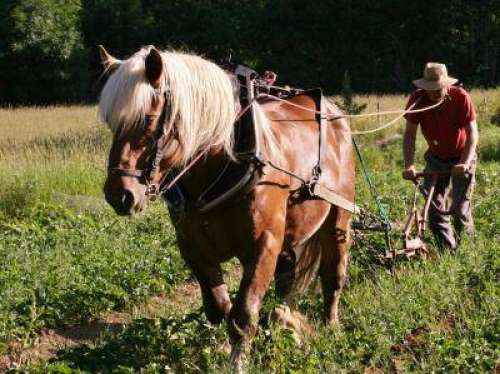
point(414, 227)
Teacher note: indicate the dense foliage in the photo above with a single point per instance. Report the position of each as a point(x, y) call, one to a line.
point(48, 47)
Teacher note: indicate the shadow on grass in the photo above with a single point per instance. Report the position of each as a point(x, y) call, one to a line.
point(182, 344)
point(90, 331)
point(367, 255)
point(490, 152)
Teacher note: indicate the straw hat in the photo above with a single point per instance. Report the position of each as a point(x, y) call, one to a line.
point(435, 77)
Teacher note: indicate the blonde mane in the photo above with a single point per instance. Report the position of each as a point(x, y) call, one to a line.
point(201, 98)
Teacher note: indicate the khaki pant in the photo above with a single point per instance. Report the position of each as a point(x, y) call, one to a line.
point(461, 194)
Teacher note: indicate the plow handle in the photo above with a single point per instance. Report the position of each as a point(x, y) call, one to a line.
point(436, 174)
point(428, 195)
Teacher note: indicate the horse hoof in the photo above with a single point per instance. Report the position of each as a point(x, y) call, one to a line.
point(237, 360)
point(293, 321)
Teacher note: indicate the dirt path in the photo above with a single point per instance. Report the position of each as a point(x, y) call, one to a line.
point(184, 298)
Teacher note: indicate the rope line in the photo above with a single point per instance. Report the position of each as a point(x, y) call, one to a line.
point(336, 116)
point(383, 215)
point(380, 128)
point(331, 117)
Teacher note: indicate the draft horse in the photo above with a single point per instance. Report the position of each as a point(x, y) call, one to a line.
point(164, 109)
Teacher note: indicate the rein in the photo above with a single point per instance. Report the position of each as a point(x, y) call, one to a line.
point(162, 190)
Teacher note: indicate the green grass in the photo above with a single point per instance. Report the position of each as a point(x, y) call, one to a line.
point(67, 258)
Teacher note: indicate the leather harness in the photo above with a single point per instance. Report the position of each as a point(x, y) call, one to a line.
point(243, 173)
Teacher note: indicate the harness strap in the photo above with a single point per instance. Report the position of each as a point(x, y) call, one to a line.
point(206, 206)
point(160, 148)
point(126, 172)
point(334, 198)
point(323, 123)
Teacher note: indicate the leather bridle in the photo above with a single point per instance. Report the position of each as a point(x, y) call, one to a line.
point(160, 141)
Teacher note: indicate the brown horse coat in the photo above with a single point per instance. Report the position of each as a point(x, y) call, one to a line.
point(272, 228)
point(273, 218)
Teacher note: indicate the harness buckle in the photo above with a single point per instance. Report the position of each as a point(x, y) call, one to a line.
point(316, 173)
point(152, 191)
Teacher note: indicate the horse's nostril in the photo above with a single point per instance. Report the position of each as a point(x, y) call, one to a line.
point(122, 200)
point(128, 200)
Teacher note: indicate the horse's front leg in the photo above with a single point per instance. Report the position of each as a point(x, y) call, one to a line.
point(259, 264)
point(257, 275)
point(216, 301)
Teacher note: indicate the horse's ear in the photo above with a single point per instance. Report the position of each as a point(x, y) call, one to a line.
point(154, 67)
point(109, 62)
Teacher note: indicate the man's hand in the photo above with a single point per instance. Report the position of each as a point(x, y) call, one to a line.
point(459, 170)
point(410, 173)
point(270, 77)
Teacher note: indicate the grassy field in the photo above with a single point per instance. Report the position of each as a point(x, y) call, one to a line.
point(68, 260)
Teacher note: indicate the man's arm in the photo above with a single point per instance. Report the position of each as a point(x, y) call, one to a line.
point(409, 150)
point(469, 150)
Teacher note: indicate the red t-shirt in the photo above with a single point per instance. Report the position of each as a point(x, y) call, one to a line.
point(444, 127)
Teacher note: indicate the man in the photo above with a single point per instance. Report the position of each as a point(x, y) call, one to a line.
point(451, 133)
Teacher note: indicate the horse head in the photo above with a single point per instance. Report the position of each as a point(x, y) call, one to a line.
point(144, 146)
point(165, 109)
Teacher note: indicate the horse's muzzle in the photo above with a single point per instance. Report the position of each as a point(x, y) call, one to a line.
point(125, 202)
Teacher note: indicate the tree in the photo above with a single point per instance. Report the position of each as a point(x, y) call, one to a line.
point(43, 59)
point(48, 48)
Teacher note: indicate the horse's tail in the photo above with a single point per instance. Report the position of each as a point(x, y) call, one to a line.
point(308, 258)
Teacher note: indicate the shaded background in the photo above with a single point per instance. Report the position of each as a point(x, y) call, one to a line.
point(48, 48)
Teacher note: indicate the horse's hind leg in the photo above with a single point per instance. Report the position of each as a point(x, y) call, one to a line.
point(335, 242)
point(284, 275)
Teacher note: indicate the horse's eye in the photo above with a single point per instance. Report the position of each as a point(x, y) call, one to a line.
point(148, 120)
